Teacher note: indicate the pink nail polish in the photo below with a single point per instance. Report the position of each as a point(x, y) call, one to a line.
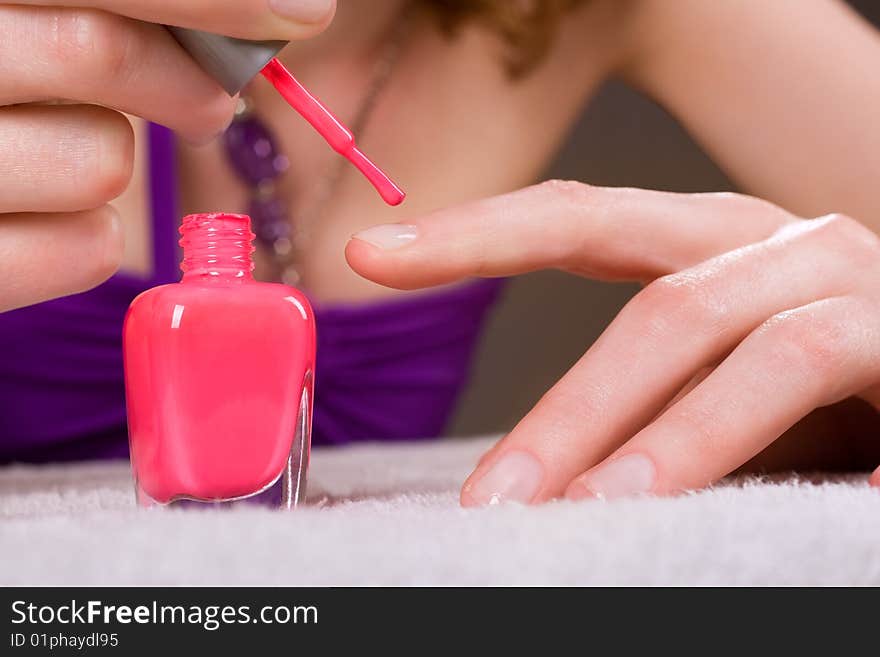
point(515, 477)
point(625, 476)
point(219, 370)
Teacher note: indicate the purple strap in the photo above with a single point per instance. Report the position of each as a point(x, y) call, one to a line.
point(164, 205)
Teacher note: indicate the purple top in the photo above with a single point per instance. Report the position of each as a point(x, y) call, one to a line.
point(390, 370)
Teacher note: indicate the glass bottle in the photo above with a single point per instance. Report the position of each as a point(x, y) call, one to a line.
point(219, 373)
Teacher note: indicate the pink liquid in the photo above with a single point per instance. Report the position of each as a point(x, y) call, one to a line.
point(219, 372)
point(337, 135)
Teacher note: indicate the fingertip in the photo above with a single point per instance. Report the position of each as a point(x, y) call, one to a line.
point(114, 243)
point(361, 256)
point(577, 491)
point(210, 119)
point(389, 237)
point(256, 20)
point(628, 475)
point(302, 19)
point(117, 152)
point(356, 250)
point(373, 263)
point(515, 476)
point(874, 479)
point(465, 499)
point(102, 237)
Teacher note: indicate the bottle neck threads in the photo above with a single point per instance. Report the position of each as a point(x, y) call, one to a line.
point(217, 247)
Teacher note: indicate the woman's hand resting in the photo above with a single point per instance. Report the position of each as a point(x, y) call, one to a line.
point(752, 319)
point(62, 162)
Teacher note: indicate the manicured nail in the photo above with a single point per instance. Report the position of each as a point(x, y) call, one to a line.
point(515, 477)
point(303, 11)
point(623, 477)
point(388, 236)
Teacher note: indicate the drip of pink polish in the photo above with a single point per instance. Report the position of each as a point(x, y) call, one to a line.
point(330, 128)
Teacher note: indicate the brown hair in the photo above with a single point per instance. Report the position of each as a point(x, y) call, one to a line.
point(526, 27)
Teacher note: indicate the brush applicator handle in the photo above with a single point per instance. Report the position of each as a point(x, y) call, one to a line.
point(232, 62)
point(235, 62)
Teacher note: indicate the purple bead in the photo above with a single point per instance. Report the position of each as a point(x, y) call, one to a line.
point(251, 151)
point(269, 219)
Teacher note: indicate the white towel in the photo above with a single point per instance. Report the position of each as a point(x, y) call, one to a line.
point(388, 514)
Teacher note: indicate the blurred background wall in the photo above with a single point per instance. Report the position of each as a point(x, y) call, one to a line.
point(547, 320)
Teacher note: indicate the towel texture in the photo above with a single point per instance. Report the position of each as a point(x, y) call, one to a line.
point(388, 514)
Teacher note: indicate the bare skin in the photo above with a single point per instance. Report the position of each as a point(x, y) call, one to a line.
point(431, 125)
point(790, 117)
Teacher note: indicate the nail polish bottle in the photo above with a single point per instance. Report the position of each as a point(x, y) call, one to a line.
point(219, 373)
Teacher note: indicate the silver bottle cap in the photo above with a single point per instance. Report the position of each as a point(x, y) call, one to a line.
point(232, 62)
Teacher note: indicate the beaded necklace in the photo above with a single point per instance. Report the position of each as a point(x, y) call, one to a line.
point(252, 152)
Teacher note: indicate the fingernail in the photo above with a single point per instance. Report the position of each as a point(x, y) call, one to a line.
point(303, 11)
point(114, 242)
point(515, 477)
point(388, 236)
point(623, 477)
